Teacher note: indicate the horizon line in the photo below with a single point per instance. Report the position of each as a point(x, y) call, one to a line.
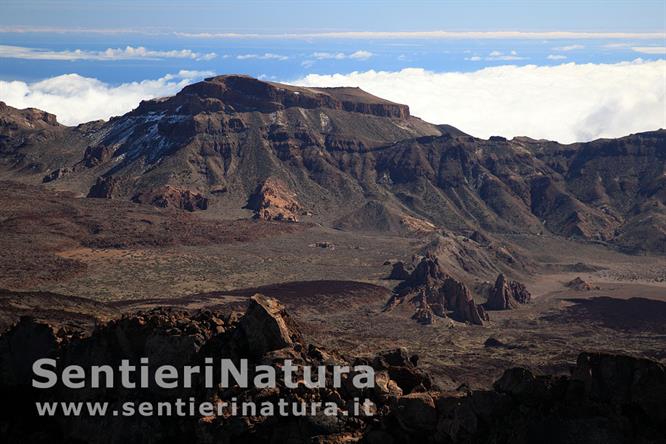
point(434, 34)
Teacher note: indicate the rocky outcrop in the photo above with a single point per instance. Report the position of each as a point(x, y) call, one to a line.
point(579, 284)
point(266, 327)
point(27, 118)
point(607, 398)
point(519, 292)
point(506, 294)
point(400, 272)
point(274, 201)
point(96, 154)
point(432, 291)
point(103, 188)
point(168, 196)
point(57, 174)
point(424, 314)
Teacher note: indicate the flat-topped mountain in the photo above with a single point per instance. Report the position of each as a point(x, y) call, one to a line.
point(238, 93)
point(346, 159)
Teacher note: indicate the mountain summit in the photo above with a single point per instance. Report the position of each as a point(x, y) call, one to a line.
point(239, 93)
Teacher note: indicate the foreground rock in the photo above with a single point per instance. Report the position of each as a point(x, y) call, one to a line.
point(607, 398)
point(433, 291)
point(506, 294)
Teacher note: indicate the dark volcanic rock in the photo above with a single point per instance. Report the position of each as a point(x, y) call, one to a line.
point(103, 188)
point(433, 291)
point(399, 272)
point(57, 174)
point(266, 327)
point(507, 294)
point(424, 314)
point(338, 149)
point(623, 380)
point(607, 399)
point(493, 342)
point(173, 197)
point(22, 346)
point(244, 94)
point(97, 154)
point(519, 292)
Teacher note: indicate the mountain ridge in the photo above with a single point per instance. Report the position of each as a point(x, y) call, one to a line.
point(335, 150)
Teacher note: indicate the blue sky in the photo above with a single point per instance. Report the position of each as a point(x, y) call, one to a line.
point(288, 39)
point(127, 50)
point(339, 15)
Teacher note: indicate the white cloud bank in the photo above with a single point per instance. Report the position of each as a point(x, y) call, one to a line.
point(568, 102)
point(127, 53)
point(76, 99)
point(650, 49)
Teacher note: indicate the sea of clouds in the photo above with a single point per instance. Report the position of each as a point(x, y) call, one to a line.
point(75, 99)
point(568, 102)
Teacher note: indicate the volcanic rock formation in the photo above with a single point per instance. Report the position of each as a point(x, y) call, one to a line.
point(349, 155)
point(400, 271)
point(103, 188)
point(434, 292)
point(274, 201)
point(507, 294)
point(607, 398)
point(169, 196)
point(579, 284)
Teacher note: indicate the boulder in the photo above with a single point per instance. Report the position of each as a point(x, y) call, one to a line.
point(417, 412)
point(266, 326)
point(24, 343)
point(624, 380)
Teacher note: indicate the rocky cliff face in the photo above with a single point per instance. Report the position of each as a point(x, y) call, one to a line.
point(237, 93)
point(606, 398)
point(34, 144)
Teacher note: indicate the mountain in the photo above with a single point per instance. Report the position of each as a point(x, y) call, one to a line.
point(235, 147)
